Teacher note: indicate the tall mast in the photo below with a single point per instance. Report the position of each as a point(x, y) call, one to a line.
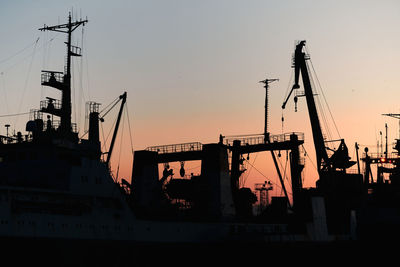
point(63, 83)
point(397, 116)
point(266, 83)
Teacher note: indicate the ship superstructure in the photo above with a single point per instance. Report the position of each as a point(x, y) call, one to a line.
point(54, 184)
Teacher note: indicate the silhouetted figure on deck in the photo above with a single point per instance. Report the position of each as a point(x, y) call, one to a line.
point(49, 126)
point(50, 105)
point(52, 78)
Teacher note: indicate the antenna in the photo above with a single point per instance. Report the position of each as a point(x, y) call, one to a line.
point(7, 126)
point(266, 82)
point(397, 116)
point(62, 81)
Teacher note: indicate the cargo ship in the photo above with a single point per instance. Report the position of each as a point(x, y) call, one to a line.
point(58, 187)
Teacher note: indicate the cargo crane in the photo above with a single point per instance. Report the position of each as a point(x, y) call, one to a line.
point(341, 190)
point(340, 158)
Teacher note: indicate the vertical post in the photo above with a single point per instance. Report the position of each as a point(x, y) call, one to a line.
point(358, 159)
point(66, 92)
point(266, 82)
point(266, 137)
point(7, 126)
point(295, 168)
point(386, 145)
point(235, 172)
point(367, 172)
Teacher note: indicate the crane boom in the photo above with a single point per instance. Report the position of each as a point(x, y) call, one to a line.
point(300, 66)
point(340, 158)
point(123, 98)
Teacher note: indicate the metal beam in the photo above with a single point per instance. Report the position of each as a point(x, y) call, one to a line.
point(286, 145)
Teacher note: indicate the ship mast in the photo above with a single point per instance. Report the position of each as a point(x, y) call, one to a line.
point(266, 83)
point(63, 82)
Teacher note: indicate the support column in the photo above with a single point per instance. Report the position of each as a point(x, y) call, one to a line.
point(295, 168)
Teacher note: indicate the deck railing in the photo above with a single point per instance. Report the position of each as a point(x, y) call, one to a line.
point(174, 148)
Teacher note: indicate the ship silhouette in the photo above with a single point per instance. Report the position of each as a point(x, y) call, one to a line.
point(56, 188)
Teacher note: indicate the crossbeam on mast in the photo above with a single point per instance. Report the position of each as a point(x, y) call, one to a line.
point(70, 27)
point(65, 85)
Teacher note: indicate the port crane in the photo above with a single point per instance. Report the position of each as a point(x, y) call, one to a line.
point(339, 159)
point(340, 190)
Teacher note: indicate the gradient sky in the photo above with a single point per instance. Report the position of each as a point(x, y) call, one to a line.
point(191, 68)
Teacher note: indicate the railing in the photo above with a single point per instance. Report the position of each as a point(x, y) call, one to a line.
point(185, 147)
point(382, 155)
point(92, 107)
point(56, 123)
point(35, 114)
point(50, 76)
point(50, 104)
point(259, 139)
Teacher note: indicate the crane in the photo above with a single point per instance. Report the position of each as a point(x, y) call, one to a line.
point(340, 158)
point(121, 98)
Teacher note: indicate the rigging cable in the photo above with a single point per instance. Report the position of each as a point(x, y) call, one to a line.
point(284, 174)
point(46, 55)
point(248, 173)
point(27, 78)
point(112, 103)
point(4, 91)
point(87, 70)
point(285, 96)
point(329, 110)
point(288, 87)
point(12, 115)
point(19, 52)
point(278, 185)
point(102, 133)
point(108, 135)
point(129, 127)
point(314, 165)
point(326, 129)
point(320, 108)
point(28, 56)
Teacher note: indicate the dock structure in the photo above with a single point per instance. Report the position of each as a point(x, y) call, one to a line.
point(219, 178)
